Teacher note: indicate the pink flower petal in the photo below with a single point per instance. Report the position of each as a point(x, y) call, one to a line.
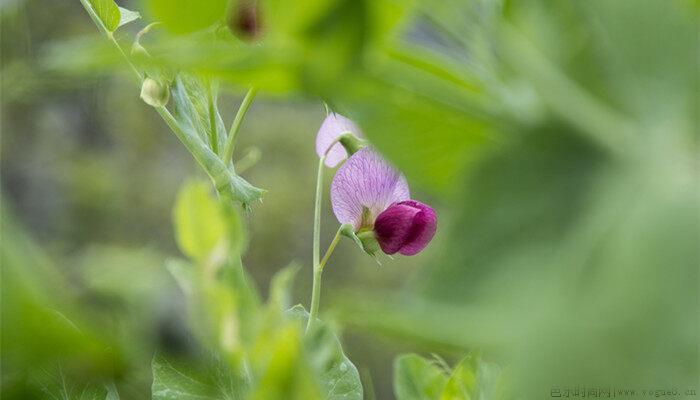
point(366, 180)
point(332, 127)
point(405, 227)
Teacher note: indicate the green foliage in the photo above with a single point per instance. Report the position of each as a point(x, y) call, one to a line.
point(559, 139)
point(109, 15)
point(340, 378)
point(185, 16)
point(416, 378)
point(202, 223)
point(126, 16)
point(176, 382)
point(108, 12)
point(264, 346)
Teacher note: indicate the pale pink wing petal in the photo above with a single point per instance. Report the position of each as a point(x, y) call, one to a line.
point(366, 180)
point(332, 127)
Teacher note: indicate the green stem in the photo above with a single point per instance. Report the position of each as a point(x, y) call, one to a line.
point(225, 181)
point(213, 134)
point(315, 298)
point(316, 289)
point(109, 34)
point(316, 254)
point(236, 126)
point(330, 250)
point(317, 212)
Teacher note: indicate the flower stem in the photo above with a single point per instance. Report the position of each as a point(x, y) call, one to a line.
point(236, 126)
point(316, 289)
point(331, 247)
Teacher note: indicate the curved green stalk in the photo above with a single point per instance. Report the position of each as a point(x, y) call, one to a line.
point(316, 289)
point(236, 126)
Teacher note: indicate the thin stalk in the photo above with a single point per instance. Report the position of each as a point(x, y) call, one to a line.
point(316, 289)
point(109, 34)
point(330, 250)
point(316, 256)
point(236, 126)
point(317, 212)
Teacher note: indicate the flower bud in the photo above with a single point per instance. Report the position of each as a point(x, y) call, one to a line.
point(243, 19)
point(405, 227)
point(154, 93)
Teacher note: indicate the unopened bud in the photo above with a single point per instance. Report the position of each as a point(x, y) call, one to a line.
point(243, 19)
point(154, 93)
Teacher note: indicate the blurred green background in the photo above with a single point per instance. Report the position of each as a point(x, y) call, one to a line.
point(557, 140)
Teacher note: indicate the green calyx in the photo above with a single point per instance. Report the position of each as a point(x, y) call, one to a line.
point(351, 143)
point(370, 245)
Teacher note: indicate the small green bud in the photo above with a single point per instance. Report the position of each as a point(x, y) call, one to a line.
point(154, 93)
point(351, 143)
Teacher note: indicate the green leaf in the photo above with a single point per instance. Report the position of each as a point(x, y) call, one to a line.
point(416, 378)
point(281, 287)
point(191, 97)
point(184, 16)
point(202, 222)
point(461, 382)
point(108, 13)
point(475, 379)
point(170, 383)
point(286, 374)
point(126, 16)
point(341, 380)
point(112, 393)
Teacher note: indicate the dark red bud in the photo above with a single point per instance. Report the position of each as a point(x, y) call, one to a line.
point(405, 227)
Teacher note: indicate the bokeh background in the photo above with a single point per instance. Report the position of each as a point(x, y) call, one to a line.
point(568, 242)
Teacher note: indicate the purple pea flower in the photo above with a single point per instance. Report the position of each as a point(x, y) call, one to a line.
point(328, 134)
point(371, 196)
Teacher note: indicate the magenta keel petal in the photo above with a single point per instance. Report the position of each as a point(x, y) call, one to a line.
point(332, 127)
point(365, 181)
point(405, 227)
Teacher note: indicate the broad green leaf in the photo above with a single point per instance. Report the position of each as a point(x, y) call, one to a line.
point(126, 16)
point(341, 380)
point(112, 393)
point(461, 383)
point(281, 287)
point(475, 379)
point(206, 378)
point(416, 378)
point(202, 223)
point(184, 16)
point(171, 383)
point(56, 381)
point(108, 13)
point(285, 373)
